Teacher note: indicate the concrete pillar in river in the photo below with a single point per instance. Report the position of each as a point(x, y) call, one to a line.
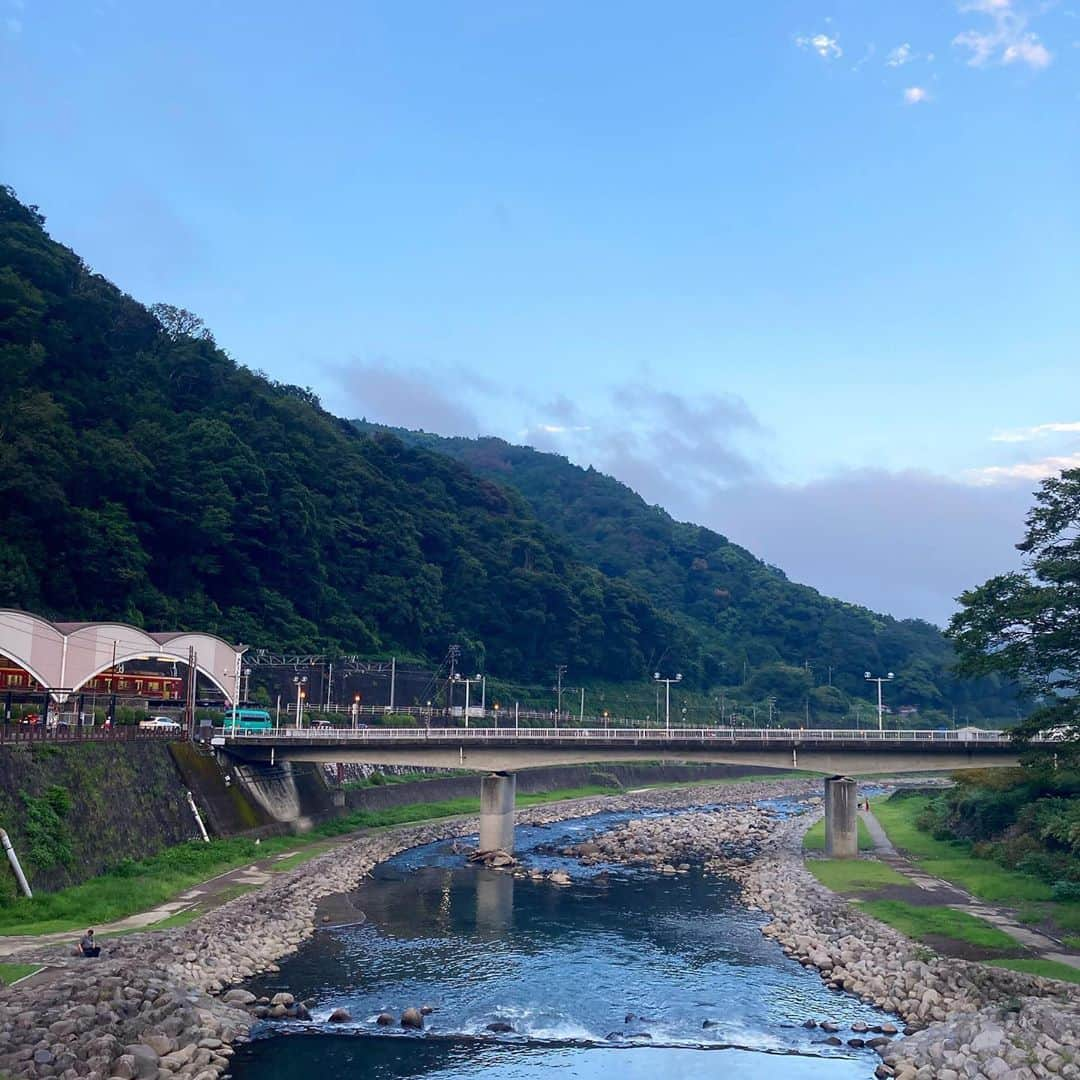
point(841, 819)
point(497, 811)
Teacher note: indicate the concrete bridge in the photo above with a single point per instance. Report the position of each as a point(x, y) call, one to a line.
point(499, 751)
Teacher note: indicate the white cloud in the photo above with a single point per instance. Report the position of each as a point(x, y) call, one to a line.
point(828, 48)
point(1023, 470)
point(1013, 435)
point(900, 56)
point(1006, 41)
point(915, 95)
point(1028, 51)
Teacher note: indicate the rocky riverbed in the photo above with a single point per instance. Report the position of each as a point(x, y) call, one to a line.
point(158, 1005)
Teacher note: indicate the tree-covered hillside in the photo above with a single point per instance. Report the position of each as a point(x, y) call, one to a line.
point(147, 476)
point(756, 627)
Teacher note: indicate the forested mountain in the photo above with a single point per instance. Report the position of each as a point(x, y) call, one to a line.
point(754, 623)
point(147, 476)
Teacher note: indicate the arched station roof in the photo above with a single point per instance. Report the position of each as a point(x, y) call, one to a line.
point(63, 656)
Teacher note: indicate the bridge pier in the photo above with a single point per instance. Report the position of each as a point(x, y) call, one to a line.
point(841, 818)
point(497, 811)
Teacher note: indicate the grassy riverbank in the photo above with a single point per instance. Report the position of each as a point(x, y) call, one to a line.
point(954, 861)
point(933, 924)
point(139, 886)
point(814, 840)
point(10, 973)
point(854, 875)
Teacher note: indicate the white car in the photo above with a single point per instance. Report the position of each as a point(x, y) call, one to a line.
point(160, 723)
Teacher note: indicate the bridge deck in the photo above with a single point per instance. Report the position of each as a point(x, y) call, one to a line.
point(828, 750)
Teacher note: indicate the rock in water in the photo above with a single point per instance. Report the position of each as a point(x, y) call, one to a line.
point(340, 1016)
point(411, 1018)
point(500, 1026)
point(384, 1019)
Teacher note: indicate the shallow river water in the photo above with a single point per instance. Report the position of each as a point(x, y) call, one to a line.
point(565, 967)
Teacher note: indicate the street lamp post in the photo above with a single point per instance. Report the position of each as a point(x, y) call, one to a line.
point(667, 696)
point(300, 681)
point(468, 683)
point(879, 679)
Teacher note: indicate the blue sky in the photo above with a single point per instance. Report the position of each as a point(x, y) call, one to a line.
point(805, 273)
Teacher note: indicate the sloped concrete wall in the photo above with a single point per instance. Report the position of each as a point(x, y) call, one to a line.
point(126, 799)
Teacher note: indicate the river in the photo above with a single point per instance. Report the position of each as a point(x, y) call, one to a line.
point(622, 970)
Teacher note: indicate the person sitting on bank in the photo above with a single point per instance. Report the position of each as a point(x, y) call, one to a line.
point(88, 946)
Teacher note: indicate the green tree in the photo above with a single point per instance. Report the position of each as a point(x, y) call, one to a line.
point(1026, 624)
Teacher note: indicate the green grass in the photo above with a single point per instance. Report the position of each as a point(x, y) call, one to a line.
point(928, 923)
point(139, 886)
point(854, 875)
point(952, 860)
point(10, 973)
point(814, 839)
point(181, 918)
point(1048, 969)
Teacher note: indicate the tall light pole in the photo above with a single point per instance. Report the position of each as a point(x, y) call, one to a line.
point(301, 682)
point(879, 679)
point(667, 696)
point(468, 683)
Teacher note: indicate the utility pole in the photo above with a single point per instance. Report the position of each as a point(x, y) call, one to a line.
point(560, 671)
point(189, 705)
point(581, 715)
point(452, 655)
point(880, 702)
point(329, 684)
point(393, 680)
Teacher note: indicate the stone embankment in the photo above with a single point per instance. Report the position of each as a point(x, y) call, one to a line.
point(966, 1019)
point(154, 1005)
point(962, 1020)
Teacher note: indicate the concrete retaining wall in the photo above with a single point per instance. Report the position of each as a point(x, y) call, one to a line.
point(125, 801)
point(533, 781)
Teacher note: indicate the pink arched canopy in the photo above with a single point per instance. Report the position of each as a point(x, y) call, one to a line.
point(65, 656)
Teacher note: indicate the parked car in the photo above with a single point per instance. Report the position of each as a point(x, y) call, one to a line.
point(321, 725)
point(31, 719)
point(159, 723)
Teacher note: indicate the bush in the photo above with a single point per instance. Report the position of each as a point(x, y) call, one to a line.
point(1066, 891)
point(47, 836)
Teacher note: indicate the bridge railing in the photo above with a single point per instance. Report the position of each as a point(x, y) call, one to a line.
point(780, 736)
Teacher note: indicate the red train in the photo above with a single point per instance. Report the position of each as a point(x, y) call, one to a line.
point(153, 685)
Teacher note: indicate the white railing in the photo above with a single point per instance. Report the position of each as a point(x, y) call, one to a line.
point(782, 736)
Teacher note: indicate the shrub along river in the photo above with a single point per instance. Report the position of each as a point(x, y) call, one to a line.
point(622, 969)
